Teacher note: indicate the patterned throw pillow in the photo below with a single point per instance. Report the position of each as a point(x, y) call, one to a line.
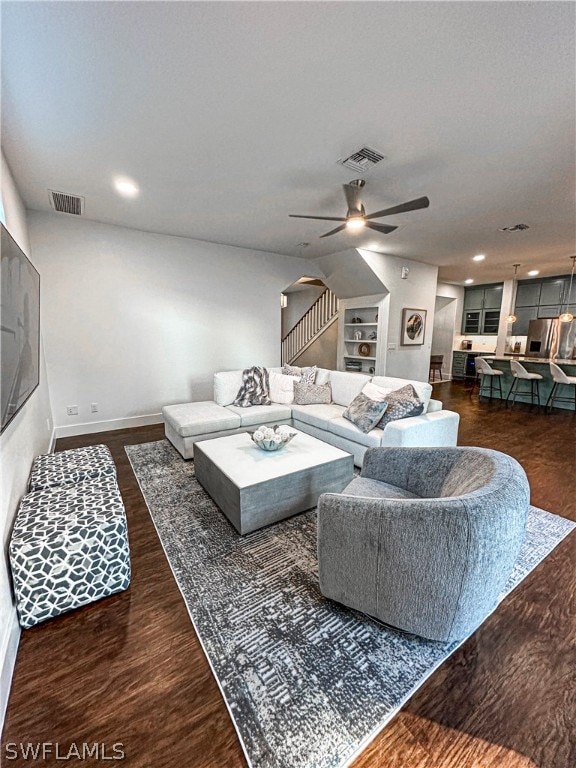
point(312, 394)
point(364, 412)
point(402, 403)
point(307, 375)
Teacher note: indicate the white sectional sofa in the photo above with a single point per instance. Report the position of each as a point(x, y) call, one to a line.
point(189, 423)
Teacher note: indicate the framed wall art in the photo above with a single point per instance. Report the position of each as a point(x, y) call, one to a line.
point(413, 326)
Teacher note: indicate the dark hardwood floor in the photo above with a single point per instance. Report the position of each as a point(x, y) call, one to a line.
point(130, 670)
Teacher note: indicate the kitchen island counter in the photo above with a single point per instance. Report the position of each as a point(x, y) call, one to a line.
point(522, 359)
point(534, 365)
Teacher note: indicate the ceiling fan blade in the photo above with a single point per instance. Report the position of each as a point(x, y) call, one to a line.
point(411, 205)
point(384, 228)
point(318, 218)
point(353, 199)
point(333, 231)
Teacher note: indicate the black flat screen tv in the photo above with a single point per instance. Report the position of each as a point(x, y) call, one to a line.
point(20, 328)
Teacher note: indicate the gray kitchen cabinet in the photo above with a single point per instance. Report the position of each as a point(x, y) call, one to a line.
point(482, 310)
point(548, 310)
point(523, 317)
point(528, 294)
point(473, 298)
point(543, 298)
point(493, 297)
point(551, 292)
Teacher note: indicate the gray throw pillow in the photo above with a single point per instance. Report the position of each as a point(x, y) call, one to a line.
point(364, 412)
point(307, 375)
point(402, 403)
point(312, 394)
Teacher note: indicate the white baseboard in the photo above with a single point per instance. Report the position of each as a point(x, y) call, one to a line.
point(91, 427)
point(8, 650)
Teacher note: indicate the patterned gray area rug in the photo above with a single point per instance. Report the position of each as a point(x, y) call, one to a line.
point(308, 684)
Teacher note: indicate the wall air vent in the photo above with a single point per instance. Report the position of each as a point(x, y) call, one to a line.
point(65, 203)
point(362, 160)
point(515, 228)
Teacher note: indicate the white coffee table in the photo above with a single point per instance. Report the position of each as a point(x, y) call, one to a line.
point(255, 488)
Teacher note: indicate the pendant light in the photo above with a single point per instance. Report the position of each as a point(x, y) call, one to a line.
point(512, 318)
point(567, 317)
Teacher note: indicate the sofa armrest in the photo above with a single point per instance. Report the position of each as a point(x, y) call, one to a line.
point(439, 428)
point(433, 406)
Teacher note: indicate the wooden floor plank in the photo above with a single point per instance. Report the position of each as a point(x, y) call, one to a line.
point(130, 668)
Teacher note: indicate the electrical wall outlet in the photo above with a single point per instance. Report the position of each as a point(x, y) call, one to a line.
point(72, 410)
point(94, 408)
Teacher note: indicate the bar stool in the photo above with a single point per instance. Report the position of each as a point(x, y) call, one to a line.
point(483, 368)
point(435, 365)
point(521, 374)
point(560, 378)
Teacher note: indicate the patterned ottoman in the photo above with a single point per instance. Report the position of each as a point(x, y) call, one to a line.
point(69, 467)
point(69, 547)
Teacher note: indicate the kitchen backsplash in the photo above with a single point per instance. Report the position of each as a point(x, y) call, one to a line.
point(511, 342)
point(479, 343)
point(488, 343)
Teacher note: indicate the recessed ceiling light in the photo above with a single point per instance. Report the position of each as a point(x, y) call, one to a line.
point(357, 222)
point(478, 257)
point(126, 187)
point(534, 272)
point(468, 281)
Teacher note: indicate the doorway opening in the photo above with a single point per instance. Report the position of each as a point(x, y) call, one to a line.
point(309, 331)
point(442, 339)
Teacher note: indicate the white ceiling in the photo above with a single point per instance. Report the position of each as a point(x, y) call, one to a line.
point(230, 116)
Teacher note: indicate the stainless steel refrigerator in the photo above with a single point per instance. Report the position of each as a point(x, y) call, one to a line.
point(551, 339)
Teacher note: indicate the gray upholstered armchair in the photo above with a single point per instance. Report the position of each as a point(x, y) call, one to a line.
point(425, 538)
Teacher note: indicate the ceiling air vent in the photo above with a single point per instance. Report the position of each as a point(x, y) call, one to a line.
point(65, 203)
point(515, 228)
point(362, 160)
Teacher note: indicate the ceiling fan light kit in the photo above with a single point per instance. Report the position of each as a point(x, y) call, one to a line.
point(356, 217)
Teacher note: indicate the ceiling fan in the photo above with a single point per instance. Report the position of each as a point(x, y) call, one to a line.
point(356, 217)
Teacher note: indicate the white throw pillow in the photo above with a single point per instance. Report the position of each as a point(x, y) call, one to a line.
point(374, 392)
point(226, 386)
point(282, 388)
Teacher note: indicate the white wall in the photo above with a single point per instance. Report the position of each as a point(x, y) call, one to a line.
point(134, 321)
point(450, 302)
point(28, 435)
point(323, 351)
point(443, 332)
point(417, 291)
point(348, 275)
point(450, 291)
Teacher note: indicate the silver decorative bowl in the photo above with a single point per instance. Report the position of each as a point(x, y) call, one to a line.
point(268, 442)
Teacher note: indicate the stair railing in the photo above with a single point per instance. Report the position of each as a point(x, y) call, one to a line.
point(320, 316)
